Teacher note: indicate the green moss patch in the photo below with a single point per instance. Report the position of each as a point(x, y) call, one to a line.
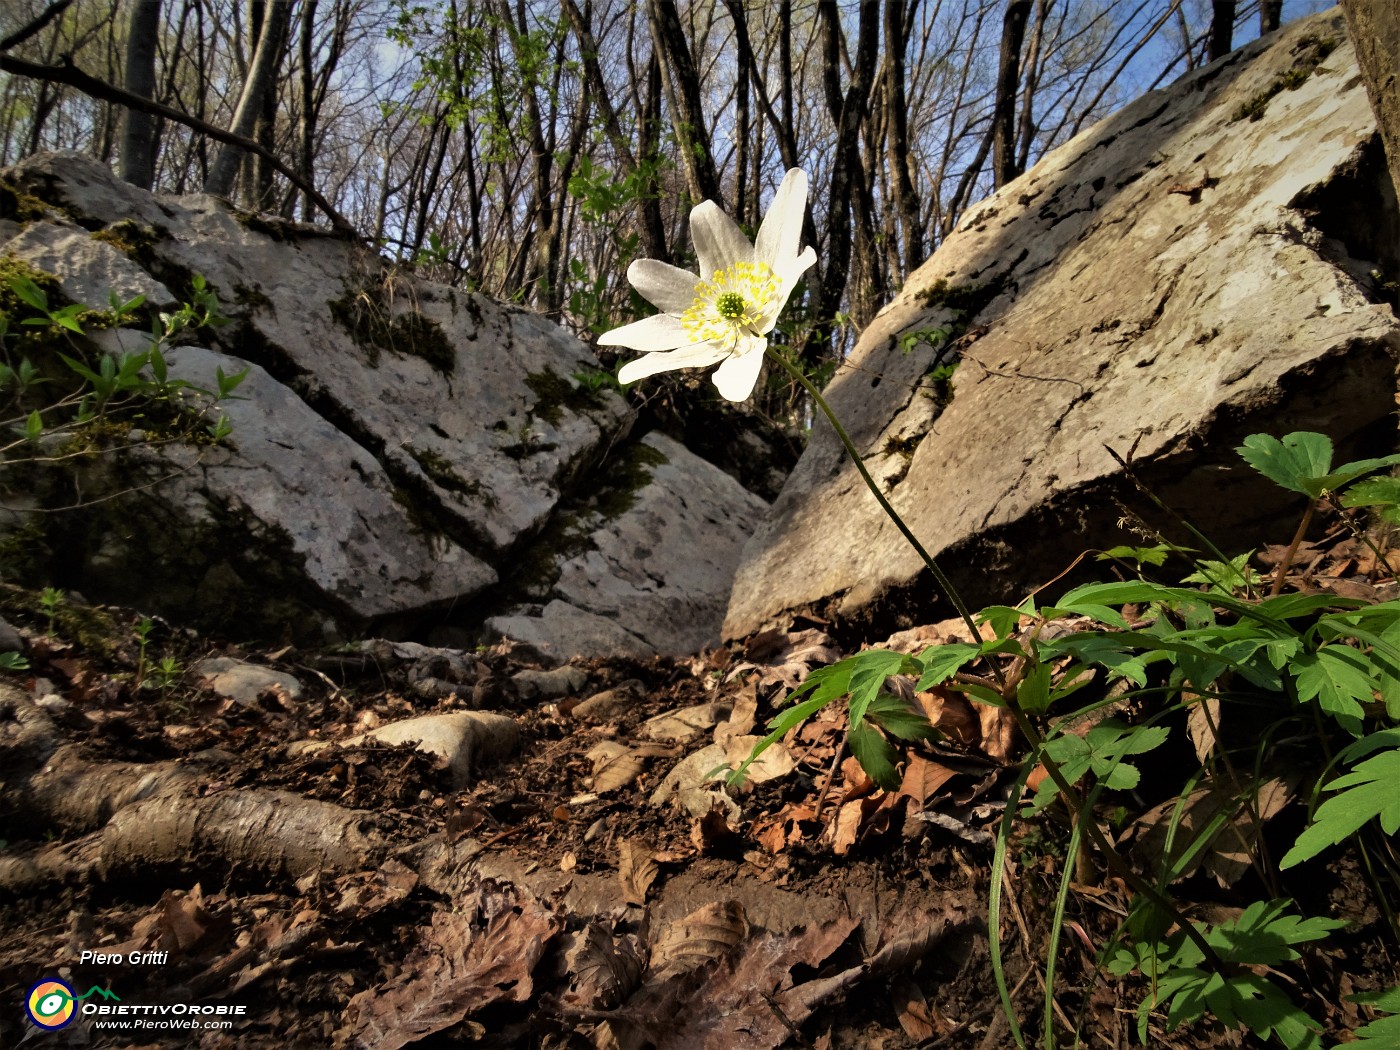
point(440, 470)
point(1311, 52)
point(968, 300)
point(577, 517)
point(554, 395)
point(132, 239)
point(21, 207)
point(377, 330)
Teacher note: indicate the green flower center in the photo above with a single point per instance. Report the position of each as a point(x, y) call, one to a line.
point(731, 306)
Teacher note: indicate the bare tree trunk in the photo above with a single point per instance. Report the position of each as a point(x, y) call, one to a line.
point(259, 81)
point(1270, 15)
point(136, 165)
point(653, 230)
point(1222, 28)
point(897, 115)
point(307, 130)
point(683, 82)
point(1013, 35)
point(1375, 29)
point(850, 194)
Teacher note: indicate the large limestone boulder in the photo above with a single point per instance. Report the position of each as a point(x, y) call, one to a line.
point(1207, 263)
point(470, 404)
point(397, 442)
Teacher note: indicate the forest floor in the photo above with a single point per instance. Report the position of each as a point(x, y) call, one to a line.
point(559, 897)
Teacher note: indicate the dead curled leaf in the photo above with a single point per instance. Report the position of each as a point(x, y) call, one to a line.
point(1228, 853)
point(465, 960)
point(614, 766)
point(704, 935)
point(785, 659)
point(637, 869)
point(605, 969)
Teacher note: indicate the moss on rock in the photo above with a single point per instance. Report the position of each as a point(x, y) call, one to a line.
point(376, 329)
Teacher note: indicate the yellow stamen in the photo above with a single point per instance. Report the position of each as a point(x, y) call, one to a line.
point(731, 301)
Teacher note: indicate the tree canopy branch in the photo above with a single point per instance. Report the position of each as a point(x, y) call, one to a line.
point(67, 73)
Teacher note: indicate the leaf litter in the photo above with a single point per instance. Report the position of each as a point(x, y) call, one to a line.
point(575, 905)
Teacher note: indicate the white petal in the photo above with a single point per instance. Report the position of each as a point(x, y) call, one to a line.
point(698, 355)
point(655, 333)
point(788, 277)
point(781, 230)
point(737, 376)
point(719, 243)
point(669, 288)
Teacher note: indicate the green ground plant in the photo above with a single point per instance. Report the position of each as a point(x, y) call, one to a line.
point(1315, 677)
point(53, 381)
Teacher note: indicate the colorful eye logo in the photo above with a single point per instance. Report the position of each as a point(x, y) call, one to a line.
point(51, 1004)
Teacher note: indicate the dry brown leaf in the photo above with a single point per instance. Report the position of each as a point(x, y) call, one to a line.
point(949, 711)
point(923, 778)
point(465, 960)
point(749, 999)
point(745, 714)
point(637, 868)
point(686, 723)
point(605, 970)
point(1201, 723)
point(847, 827)
point(776, 761)
point(785, 659)
point(911, 1009)
point(706, 934)
point(618, 772)
point(998, 730)
point(921, 933)
point(712, 834)
point(1231, 847)
point(856, 779)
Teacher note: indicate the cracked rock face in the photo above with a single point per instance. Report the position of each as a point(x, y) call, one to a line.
point(653, 578)
point(1173, 279)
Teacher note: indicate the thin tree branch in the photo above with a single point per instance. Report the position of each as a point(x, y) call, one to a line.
point(19, 36)
point(67, 73)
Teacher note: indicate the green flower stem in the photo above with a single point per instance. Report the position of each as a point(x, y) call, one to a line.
point(890, 512)
point(1085, 820)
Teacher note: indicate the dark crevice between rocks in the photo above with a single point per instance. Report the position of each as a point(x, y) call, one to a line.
point(1357, 213)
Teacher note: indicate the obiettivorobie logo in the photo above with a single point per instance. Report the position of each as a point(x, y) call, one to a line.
point(52, 1004)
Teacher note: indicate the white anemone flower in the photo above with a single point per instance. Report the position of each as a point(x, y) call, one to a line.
point(723, 316)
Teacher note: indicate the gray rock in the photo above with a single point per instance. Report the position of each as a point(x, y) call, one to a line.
point(655, 577)
point(609, 703)
point(471, 403)
point(242, 681)
point(436, 429)
point(11, 641)
point(685, 723)
point(561, 631)
point(319, 509)
point(88, 269)
point(1168, 282)
point(461, 740)
point(552, 684)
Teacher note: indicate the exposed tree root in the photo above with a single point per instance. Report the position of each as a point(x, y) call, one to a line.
point(143, 816)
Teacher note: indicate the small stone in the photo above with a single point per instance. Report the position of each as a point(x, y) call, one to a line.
point(244, 682)
point(550, 685)
point(459, 740)
point(685, 722)
point(609, 703)
point(11, 641)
